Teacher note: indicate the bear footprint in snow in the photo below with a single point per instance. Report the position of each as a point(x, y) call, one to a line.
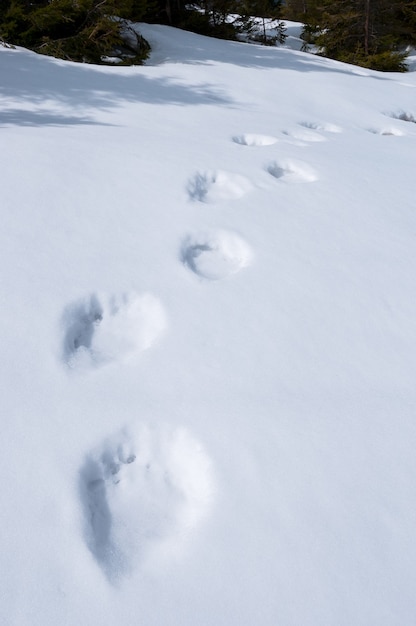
point(403, 116)
point(98, 330)
point(304, 133)
point(321, 126)
point(290, 171)
point(252, 139)
point(387, 131)
point(217, 185)
point(143, 494)
point(215, 255)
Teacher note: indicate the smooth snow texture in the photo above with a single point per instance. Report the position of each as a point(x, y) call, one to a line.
point(208, 339)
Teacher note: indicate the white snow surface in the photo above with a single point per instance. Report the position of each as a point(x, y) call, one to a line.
point(208, 339)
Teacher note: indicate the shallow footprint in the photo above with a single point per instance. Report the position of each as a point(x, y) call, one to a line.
point(291, 171)
point(304, 134)
point(217, 185)
point(98, 330)
point(142, 494)
point(387, 131)
point(250, 139)
point(324, 126)
point(216, 255)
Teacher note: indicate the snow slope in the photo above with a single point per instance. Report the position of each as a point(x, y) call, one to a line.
point(208, 339)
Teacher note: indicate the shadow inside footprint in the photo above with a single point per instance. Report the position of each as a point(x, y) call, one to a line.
point(291, 171)
point(191, 253)
point(404, 116)
point(276, 171)
point(198, 187)
point(113, 328)
point(325, 126)
point(141, 494)
point(97, 512)
point(217, 186)
point(96, 477)
point(251, 139)
point(387, 132)
point(81, 320)
point(215, 255)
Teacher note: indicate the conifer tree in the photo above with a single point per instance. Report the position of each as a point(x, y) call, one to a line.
point(269, 13)
point(83, 30)
point(364, 32)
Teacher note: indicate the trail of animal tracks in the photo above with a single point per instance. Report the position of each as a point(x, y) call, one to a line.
point(208, 339)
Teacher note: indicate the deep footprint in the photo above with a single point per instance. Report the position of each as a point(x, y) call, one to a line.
point(143, 493)
point(216, 255)
point(217, 186)
point(99, 330)
point(290, 171)
point(404, 116)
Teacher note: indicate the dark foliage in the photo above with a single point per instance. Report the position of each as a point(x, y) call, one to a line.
point(370, 33)
point(78, 30)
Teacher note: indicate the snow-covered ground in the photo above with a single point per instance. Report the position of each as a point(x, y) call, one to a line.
point(208, 339)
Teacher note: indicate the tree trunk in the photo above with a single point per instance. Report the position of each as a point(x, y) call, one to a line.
point(367, 26)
